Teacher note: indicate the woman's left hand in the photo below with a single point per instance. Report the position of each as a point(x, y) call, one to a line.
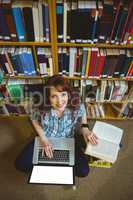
point(90, 137)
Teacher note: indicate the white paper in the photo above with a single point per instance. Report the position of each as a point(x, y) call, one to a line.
point(52, 175)
point(109, 138)
point(104, 150)
point(108, 132)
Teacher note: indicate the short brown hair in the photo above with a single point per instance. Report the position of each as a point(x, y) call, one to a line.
point(62, 84)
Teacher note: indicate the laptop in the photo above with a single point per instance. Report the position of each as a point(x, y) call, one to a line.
point(58, 170)
point(63, 152)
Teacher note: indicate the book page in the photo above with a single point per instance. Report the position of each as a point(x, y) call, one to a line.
point(104, 150)
point(108, 132)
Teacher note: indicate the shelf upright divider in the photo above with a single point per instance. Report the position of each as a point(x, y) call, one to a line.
point(53, 34)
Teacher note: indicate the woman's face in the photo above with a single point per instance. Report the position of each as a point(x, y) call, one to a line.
point(58, 100)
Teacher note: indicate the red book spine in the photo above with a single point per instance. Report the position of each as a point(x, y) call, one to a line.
point(92, 62)
point(127, 20)
point(130, 71)
point(100, 65)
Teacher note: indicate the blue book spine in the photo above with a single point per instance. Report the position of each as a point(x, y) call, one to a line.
point(19, 23)
point(94, 27)
point(27, 64)
point(24, 63)
point(18, 64)
point(31, 62)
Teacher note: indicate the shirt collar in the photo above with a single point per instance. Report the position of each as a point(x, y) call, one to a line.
point(54, 114)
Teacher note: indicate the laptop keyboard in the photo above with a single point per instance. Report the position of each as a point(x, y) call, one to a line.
point(58, 156)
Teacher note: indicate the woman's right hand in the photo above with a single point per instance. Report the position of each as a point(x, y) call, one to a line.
point(47, 148)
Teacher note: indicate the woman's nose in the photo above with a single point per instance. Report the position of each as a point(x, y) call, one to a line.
point(59, 100)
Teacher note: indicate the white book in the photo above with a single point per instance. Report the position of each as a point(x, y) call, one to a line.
point(109, 137)
point(36, 21)
point(103, 88)
point(101, 110)
point(72, 61)
point(40, 20)
point(65, 22)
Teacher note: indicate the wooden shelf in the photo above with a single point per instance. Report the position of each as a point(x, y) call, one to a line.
point(99, 45)
point(107, 102)
point(71, 78)
point(13, 116)
point(34, 43)
point(5, 43)
point(23, 77)
point(96, 78)
point(109, 118)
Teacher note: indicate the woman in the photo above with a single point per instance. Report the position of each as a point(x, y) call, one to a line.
point(63, 115)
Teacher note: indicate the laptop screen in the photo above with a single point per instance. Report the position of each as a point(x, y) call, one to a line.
point(52, 175)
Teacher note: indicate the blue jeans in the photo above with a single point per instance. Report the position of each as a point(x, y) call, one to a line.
point(24, 159)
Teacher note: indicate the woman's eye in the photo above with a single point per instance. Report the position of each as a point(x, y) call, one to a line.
point(54, 96)
point(64, 94)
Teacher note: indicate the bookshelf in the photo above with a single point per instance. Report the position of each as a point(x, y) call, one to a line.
point(54, 45)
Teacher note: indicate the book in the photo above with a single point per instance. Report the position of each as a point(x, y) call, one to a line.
point(95, 162)
point(19, 23)
point(109, 137)
point(10, 108)
point(1, 75)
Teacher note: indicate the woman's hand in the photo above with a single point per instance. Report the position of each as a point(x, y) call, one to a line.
point(90, 137)
point(47, 148)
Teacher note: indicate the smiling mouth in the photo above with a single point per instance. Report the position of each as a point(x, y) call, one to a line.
point(60, 106)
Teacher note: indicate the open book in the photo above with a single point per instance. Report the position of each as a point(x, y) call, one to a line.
point(109, 138)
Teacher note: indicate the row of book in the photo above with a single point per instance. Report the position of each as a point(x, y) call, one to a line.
point(25, 21)
point(127, 111)
point(83, 62)
point(95, 21)
point(95, 62)
point(32, 96)
point(18, 92)
point(20, 61)
point(98, 110)
point(93, 110)
point(12, 109)
point(90, 90)
point(105, 91)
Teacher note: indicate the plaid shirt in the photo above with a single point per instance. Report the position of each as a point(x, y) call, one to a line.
point(64, 126)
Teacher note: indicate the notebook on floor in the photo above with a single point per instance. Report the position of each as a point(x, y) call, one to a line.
point(57, 175)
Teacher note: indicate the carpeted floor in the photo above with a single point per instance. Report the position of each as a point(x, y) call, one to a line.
point(115, 183)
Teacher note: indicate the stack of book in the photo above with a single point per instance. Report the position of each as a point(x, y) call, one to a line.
point(12, 109)
point(126, 111)
point(95, 21)
point(96, 110)
point(95, 62)
point(20, 61)
point(105, 91)
point(24, 21)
